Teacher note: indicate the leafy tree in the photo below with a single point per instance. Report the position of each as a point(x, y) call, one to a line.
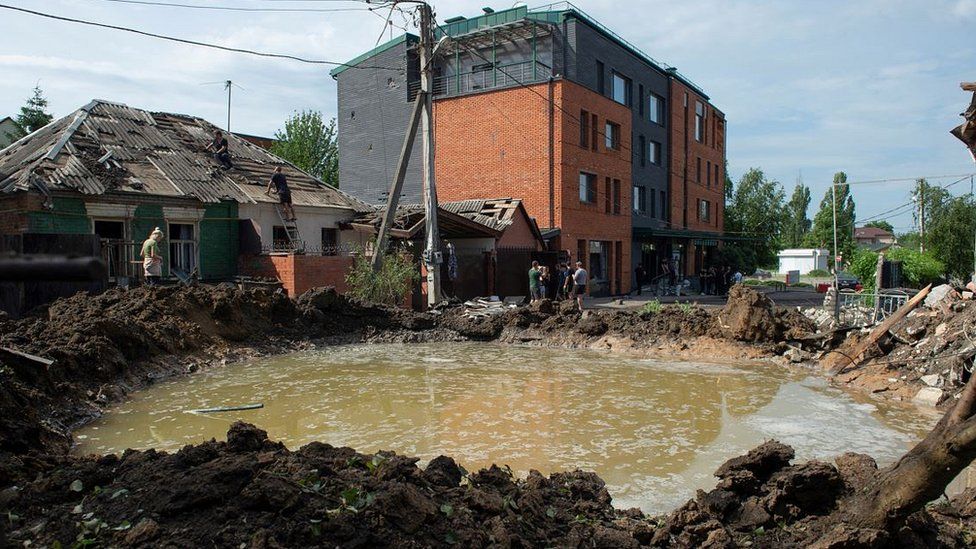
point(796, 224)
point(309, 143)
point(33, 115)
point(910, 239)
point(822, 233)
point(934, 200)
point(756, 212)
point(390, 284)
point(950, 235)
point(917, 269)
point(881, 224)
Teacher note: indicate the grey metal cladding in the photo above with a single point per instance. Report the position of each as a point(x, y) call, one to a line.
point(588, 46)
point(373, 113)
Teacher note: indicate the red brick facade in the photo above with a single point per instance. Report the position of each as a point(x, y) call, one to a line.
point(299, 273)
point(497, 143)
point(14, 209)
point(697, 180)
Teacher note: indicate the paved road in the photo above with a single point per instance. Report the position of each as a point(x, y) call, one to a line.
point(799, 297)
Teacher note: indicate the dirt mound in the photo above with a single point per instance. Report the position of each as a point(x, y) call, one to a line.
point(750, 316)
point(253, 492)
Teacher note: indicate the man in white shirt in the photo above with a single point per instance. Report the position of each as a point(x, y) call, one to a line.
point(580, 279)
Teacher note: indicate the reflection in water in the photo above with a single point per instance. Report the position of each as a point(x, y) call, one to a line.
point(655, 431)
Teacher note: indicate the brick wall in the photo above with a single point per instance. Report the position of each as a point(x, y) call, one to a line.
point(15, 211)
point(299, 273)
point(496, 144)
point(219, 241)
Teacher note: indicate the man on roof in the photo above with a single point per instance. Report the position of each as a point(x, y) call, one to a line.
point(280, 185)
point(219, 148)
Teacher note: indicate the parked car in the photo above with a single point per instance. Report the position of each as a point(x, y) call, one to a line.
point(847, 281)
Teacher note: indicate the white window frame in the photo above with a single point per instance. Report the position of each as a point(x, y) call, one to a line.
point(614, 78)
point(654, 152)
point(587, 187)
point(701, 116)
point(196, 242)
point(655, 108)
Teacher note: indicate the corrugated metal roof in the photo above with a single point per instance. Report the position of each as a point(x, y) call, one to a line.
point(154, 154)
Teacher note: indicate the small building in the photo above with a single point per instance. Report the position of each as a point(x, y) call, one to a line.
point(874, 238)
point(803, 260)
point(8, 131)
point(507, 215)
point(118, 172)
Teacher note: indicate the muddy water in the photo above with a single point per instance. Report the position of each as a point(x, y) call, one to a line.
point(654, 430)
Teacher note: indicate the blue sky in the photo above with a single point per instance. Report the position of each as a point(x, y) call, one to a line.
point(865, 86)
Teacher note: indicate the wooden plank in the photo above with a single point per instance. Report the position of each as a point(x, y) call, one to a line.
point(227, 409)
point(840, 361)
point(33, 358)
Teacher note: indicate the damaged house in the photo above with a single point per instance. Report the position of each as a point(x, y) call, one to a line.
point(118, 172)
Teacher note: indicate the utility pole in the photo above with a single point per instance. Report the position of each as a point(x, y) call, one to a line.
point(921, 215)
point(833, 193)
point(229, 85)
point(432, 254)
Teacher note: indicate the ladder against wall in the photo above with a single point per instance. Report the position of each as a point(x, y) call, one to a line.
point(295, 242)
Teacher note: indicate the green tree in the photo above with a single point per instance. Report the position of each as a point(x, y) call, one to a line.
point(33, 115)
point(309, 143)
point(881, 224)
point(390, 284)
point(918, 269)
point(949, 237)
point(756, 211)
point(796, 224)
point(933, 201)
point(822, 233)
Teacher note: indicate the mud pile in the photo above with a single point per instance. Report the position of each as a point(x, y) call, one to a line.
point(751, 316)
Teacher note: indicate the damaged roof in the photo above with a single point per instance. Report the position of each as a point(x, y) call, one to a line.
point(108, 147)
point(496, 213)
point(408, 223)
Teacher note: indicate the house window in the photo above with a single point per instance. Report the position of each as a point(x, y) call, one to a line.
point(587, 188)
point(654, 152)
point(330, 241)
point(584, 129)
point(704, 210)
point(621, 92)
point(640, 199)
point(717, 180)
point(600, 76)
point(699, 122)
point(182, 247)
point(279, 239)
point(616, 197)
point(581, 251)
point(653, 208)
point(640, 99)
point(606, 197)
point(598, 259)
point(115, 252)
point(655, 108)
point(612, 136)
point(708, 174)
point(698, 172)
point(664, 205)
point(594, 131)
point(642, 142)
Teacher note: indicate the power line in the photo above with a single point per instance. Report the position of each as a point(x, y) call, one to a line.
point(905, 179)
point(193, 42)
point(235, 8)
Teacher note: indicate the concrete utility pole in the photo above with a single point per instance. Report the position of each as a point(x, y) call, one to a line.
point(228, 84)
point(432, 253)
point(921, 215)
point(833, 192)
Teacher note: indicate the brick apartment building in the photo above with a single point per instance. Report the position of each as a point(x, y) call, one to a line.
point(551, 107)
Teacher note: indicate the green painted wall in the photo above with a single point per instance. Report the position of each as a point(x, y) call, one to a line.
point(145, 219)
point(219, 241)
point(68, 217)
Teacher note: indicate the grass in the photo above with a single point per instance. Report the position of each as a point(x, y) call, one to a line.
point(651, 307)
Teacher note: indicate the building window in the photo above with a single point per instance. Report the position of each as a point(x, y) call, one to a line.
point(699, 122)
point(640, 99)
point(621, 91)
point(653, 208)
point(640, 199)
point(182, 247)
point(598, 259)
point(330, 241)
point(600, 76)
point(655, 108)
point(616, 197)
point(708, 174)
point(584, 129)
point(581, 251)
point(279, 239)
point(698, 173)
point(587, 188)
point(642, 142)
point(704, 210)
point(594, 131)
point(612, 136)
point(664, 205)
point(606, 197)
point(654, 152)
point(717, 180)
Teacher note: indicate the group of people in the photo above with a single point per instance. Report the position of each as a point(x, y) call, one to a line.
point(570, 282)
point(716, 280)
point(278, 183)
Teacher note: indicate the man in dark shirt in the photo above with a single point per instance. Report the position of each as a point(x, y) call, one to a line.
point(219, 148)
point(280, 184)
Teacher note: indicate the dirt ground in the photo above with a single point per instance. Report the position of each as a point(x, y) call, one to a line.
point(251, 492)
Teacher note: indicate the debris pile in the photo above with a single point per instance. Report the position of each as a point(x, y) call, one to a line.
point(751, 316)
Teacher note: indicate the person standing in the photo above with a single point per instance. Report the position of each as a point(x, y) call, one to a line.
point(560, 281)
point(220, 150)
point(280, 184)
point(152, 260)
point(568, 284)
point(535, 277)
point(544, 280)
point(640, 274)
point(580, 279)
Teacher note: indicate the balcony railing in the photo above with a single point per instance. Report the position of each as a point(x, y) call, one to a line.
point(502, 76)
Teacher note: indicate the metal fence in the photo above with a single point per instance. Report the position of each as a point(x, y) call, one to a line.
point(864, 308)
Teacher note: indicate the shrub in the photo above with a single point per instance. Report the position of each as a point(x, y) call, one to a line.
point(819, 273)
point(918, 269)
point(390, 284)
point(651, 307)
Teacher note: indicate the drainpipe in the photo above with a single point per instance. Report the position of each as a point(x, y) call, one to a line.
point(552, 160)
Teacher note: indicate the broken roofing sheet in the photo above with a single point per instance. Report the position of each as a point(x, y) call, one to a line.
point(108, 147)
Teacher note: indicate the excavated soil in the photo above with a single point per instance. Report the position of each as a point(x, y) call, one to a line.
point(251, 492)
